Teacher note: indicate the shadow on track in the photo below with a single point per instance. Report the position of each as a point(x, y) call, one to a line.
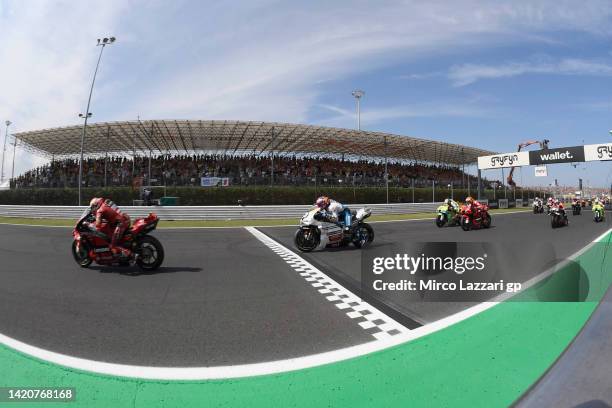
point(136, 271)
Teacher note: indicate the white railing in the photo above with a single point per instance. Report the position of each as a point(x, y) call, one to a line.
point(207, 212)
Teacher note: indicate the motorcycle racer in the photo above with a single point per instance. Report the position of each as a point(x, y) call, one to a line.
point(340, 214)
point(106, 210)
point(453, 206)
point(474, 205)
point(598, 206)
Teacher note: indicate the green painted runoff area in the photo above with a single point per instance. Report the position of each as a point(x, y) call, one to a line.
point(488, 360)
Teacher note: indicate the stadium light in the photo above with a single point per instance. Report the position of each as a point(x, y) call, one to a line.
point(358, 94)
point(14, 148)
point(7, 123)
point(87, 114)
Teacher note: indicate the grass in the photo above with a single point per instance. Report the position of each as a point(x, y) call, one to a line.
point(231, 223)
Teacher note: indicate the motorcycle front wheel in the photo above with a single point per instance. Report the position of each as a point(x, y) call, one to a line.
point(440, 221)
point(364, 234)
point(466, 225)
point(149, 253)
point(81, 256)
point(554, 222)
point(486, 221)
point(306, 239)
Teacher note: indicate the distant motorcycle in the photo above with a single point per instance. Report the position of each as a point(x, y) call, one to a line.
point(576, 208)
point(471, 220)
point(318, 231)
point(90, 245)
point(598, 213)
point(558, 217)
point(446, 217)
point(538, 207)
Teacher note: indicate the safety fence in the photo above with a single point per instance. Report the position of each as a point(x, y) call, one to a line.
point(207, 212)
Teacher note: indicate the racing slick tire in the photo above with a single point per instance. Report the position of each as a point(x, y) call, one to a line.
point(486, 221)
point(440, 221)
point(306, 244)
point(81, 257)
point(466, 224)
point(149, 253)
point(366, 235)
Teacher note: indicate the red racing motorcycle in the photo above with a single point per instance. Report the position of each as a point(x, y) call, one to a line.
point(91, 245)
point(475, 220)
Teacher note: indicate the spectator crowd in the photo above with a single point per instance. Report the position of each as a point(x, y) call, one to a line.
point(185, 170)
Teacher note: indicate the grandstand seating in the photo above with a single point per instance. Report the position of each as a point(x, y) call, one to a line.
point(183, 170)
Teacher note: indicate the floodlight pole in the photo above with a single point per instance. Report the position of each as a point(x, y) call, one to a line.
point(87, 114)
point(358, 93)
point(272, 160)
point(386, 172)
point(14, 148)
point(7, 123)
point(479, 184)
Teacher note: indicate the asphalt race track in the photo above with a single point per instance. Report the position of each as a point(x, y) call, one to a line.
point(222, 296)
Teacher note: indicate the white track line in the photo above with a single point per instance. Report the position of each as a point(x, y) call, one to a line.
point(365, 315)
point(246, 370)
point(253, 226)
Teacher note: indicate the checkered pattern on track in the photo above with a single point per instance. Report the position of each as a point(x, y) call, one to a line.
point(367, 316)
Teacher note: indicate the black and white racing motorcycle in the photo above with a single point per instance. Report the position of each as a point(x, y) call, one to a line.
point(318, 231)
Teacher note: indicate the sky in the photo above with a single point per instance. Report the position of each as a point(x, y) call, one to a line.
point(479, 73)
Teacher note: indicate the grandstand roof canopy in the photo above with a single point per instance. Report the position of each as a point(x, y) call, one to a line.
point(238, 137)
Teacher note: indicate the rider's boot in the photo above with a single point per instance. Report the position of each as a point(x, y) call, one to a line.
point(121, 253)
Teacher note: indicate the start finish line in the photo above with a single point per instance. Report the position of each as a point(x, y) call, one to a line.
point(593, 152)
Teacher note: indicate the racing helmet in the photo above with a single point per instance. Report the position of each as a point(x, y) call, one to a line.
point(469, 200)
point(323, 202)
point(447, 201)
point(95, 203)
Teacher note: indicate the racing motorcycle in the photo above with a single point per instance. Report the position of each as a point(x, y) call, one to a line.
point(471, 220)
point(91, 245)
point(538, 207)
point(576, 208)
point(446, 217)
point(317, 231)
point(598, 214)
point(558, 218)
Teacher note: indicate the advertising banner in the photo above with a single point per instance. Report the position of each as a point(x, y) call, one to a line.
point(214, 181)
point(498, 161)
point(541, 171)
point(573, 154)
point(602, 151)
point(559, 155)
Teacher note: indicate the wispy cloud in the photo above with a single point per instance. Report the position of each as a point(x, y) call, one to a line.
point(466, 74)
point(260, 60)
point(343, 117)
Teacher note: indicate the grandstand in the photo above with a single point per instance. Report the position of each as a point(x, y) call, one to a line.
point(180, 152)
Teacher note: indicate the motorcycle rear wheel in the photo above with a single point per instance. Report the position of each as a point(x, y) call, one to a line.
point(150, 253)
point(305, 244)
point(81, 257)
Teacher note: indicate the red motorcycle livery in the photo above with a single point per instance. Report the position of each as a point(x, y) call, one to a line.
point(91, 245)
point(471, 219)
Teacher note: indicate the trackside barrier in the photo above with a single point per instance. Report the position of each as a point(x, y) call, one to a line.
point(207, 212)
